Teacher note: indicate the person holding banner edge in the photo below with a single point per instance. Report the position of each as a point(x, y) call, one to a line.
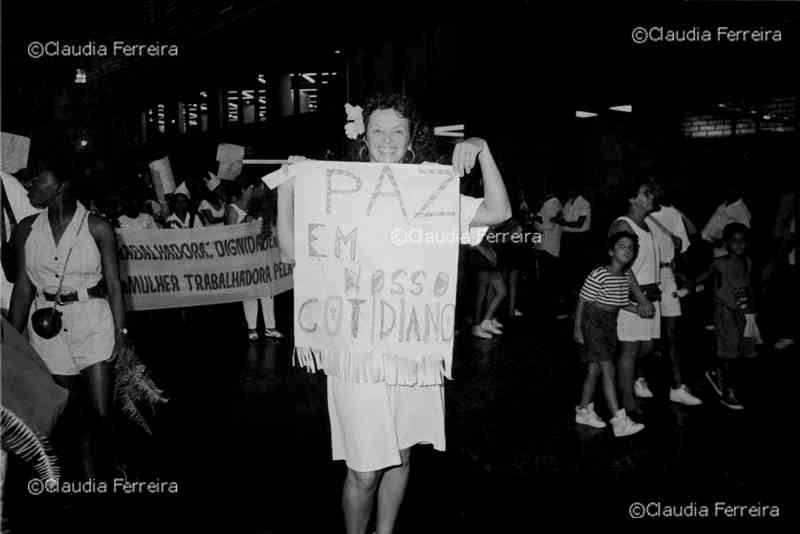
point(377, 461)
point(67, 248)
point(243, 192)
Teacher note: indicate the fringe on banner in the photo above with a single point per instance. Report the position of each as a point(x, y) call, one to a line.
point(389, 368)
point(19, 439)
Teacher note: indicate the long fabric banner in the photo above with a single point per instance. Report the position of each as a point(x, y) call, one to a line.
point(212, 265)
point(376, 251)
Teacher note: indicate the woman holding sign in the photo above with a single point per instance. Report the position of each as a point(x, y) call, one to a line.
point(374, 425)
point(68, 270)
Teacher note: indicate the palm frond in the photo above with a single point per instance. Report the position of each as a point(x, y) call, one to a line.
point(19, 439)
point(134, 385)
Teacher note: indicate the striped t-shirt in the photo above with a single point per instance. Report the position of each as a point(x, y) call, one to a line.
point(605, 288)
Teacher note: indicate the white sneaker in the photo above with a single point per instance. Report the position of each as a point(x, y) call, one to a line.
point(683, 396)
point(641, 390)
point(586, 416)
point(784, 343)
point(490, 327)
point(497, 323)
point(622, 425)
point(271, 332)
point(477, 331)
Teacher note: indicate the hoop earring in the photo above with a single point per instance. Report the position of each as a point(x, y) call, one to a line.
point(361, 152)
point(413, 155)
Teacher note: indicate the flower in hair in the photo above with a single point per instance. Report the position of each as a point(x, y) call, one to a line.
point(355, 121)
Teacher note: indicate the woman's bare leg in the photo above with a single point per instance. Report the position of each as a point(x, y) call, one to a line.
point(391, 491)
point(358, 494)
point(99, 379)
point(513, 277)
point(500, 292)
point(480, 295)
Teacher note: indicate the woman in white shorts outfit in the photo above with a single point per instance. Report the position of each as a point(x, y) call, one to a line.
point(374, 425)
point(672, 240)
point(66, 248)
point(637, 332)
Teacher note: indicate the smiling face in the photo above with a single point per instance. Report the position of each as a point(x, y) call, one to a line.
point(388, 136)
point(624, 250)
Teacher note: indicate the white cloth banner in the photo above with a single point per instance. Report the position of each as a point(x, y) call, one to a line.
point(376, 251)
point(198, 267)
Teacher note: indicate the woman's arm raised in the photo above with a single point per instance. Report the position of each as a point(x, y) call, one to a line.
point(284, 226)
point(495, 207)
point(285, 222)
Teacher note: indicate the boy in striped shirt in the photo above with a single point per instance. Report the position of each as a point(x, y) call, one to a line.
point(605, 291)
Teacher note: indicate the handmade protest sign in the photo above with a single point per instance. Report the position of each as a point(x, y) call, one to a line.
point(213, 265)
point(15, 151)
point(230, 159)
point(163, 180)
point(376, 252)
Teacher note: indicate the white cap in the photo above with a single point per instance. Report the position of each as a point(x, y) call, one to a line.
point(212, 182)
point(182, 190)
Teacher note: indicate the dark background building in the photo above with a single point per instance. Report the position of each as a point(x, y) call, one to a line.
point(274, 75)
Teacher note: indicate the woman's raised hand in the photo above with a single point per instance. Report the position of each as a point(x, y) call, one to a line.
point(465, 153)
point(288, 185)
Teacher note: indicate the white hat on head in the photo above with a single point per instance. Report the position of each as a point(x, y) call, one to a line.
point(182, 190)
point(212, 182)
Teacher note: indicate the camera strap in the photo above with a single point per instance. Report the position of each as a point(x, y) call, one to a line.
point(66, 260)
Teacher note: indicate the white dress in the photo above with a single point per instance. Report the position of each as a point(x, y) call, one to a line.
point(630, 326)
point(372, 423)
point(88, 326)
